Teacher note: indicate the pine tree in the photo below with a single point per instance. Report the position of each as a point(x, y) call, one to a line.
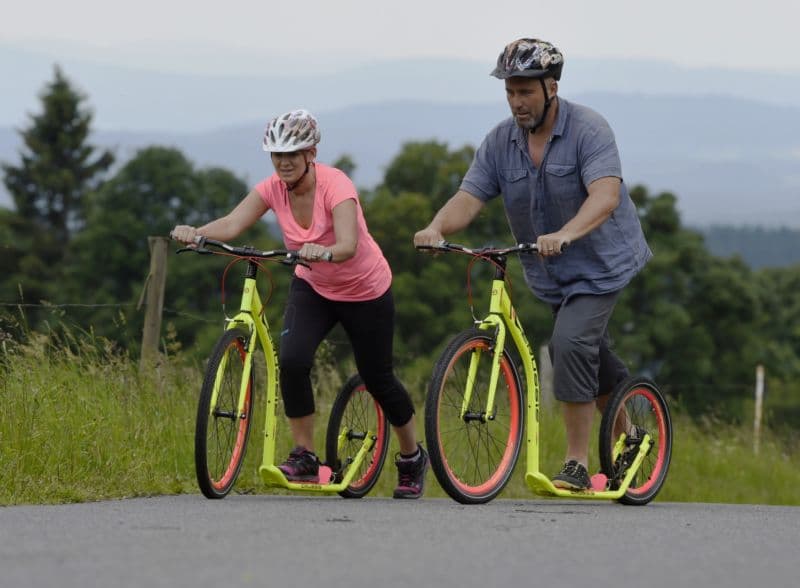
point(58, 167)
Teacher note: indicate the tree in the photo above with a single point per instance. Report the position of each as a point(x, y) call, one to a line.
point(49, 188)
point(689, 319)
point(58, 167)
point(779, 344)
point(431, 291)
point(428, 168)
point(29, 255)
point(150, 194)
point(346, 164)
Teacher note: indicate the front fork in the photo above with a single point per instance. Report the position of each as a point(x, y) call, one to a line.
point(249, 348)
point(257, 331)
point(496, 349)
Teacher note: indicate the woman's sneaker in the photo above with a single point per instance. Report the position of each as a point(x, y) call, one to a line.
point(302, 465)
point(573, 476)
point(411, 474)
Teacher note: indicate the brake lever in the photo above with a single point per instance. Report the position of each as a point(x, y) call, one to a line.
point(297, 261)
point(202, 251)
point(440, 246)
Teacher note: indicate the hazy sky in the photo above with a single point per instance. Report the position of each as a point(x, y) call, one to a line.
point(232, 35)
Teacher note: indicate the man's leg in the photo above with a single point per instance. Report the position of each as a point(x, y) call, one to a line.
point(612, 372)
point(575, 352)
point(578, 420)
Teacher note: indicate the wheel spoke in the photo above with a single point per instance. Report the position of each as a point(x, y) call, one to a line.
point(637, 408)
point(473, 458)
point(357, 412)
point(221, 435)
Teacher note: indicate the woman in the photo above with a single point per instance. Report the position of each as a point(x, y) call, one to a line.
point(349, 282)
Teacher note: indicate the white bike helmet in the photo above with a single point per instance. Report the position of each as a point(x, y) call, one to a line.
point(293, 131)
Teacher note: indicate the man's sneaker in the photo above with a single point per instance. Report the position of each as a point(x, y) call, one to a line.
point(573, 476)
point(302, 465)
point(411, 475)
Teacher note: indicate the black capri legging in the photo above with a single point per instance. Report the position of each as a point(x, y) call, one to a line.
point(369, 325)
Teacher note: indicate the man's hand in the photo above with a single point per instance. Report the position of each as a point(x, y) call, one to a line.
point(552, 243)
point(428, 237)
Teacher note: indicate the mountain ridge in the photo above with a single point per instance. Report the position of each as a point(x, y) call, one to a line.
point(718, 176)
point(135, 98)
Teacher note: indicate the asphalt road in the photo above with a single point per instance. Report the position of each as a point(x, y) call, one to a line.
point(302, 541)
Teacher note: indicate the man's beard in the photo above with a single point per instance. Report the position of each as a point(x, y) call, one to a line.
point(530, 123)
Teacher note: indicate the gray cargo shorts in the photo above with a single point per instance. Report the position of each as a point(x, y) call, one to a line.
point(584, 365)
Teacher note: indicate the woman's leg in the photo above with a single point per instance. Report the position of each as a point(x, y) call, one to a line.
point(307, 320)
point(370, 327)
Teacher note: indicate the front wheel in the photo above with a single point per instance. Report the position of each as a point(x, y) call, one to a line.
point(473, 450)
point(222, 430)
point(355, 415)
point(636, 408)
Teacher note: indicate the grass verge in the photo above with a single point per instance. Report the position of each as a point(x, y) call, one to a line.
point(82, 424)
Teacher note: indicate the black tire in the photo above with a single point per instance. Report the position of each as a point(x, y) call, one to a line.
point(220, 439)
point(473, 458)
point(355, 412)
point(638, 400)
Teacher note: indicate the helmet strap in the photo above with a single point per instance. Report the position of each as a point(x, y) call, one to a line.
point(291, 187)
point(548, 100)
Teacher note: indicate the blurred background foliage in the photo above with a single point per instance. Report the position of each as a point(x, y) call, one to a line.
point(75, 255)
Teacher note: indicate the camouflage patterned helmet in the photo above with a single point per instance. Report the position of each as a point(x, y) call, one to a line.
point(293, 131)
point(529, 58)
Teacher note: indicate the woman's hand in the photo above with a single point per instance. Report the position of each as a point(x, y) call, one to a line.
point(184, 234)
point(315, 252)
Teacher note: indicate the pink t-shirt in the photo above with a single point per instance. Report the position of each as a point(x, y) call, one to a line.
point(366, 275)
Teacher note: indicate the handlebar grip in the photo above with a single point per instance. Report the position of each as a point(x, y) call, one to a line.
point(440, 246)
point(198, 239)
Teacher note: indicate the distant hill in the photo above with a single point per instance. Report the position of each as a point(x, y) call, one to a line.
point(130, 99)
point(758, 247)
point(730, 161)
point(727, 142)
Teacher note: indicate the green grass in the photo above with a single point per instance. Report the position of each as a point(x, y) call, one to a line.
point(86, 425)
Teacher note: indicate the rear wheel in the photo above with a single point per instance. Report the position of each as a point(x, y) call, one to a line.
point(473, 454)
point(222, 431)
point(354, 415)
point(636, 407)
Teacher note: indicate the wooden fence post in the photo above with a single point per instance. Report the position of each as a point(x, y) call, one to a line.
point(758, 408)
point(546, 378)
point(154, 299)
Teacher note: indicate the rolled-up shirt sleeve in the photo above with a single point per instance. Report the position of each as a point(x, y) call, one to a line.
point(481, 178)
point(599, 155)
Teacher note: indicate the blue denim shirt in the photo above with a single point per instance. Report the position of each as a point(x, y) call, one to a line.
point(581, 150)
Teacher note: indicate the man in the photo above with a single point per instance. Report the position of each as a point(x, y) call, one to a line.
point(557, 166)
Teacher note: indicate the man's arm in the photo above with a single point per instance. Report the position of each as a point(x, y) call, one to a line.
point(455, 215)
point(602, 200)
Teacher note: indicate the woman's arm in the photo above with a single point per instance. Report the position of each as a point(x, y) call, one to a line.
point(345, 227)
point(228, 227)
